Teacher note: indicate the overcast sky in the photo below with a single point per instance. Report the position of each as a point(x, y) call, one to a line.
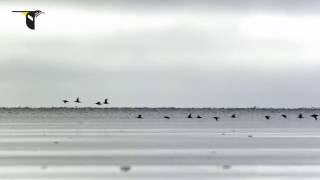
point(162, 53)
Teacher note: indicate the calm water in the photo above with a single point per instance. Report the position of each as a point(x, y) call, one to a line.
point(96, 143)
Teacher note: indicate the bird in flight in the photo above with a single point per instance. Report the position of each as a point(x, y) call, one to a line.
point(98, 103)
point(315, 116)
point(30, 17)
point(216, 118)
point(189, 116)
point(77, 100)
point(233, 116)
point(106, 101)
point(65, 101)
point(284, 116)
point(125, 168)
point(267, 117)
point(300, 116)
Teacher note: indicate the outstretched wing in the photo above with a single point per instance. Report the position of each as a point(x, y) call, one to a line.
point(22, 12)
point(25, 13)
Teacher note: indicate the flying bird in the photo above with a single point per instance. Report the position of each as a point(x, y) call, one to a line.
point(30, 17)
point(216, 118)
point(233, 116)
point(267, 117)
point(98, 103)
point(106, 101)
point(166, 117)
point(199, 117)
point(139, 116)
point(300, 116)
point(315, 116)
point(125, 168)
point(189, 116)
point(77, 100)
point(284, 116)
point(65, 101)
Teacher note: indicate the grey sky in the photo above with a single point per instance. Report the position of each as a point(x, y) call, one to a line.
point(282, 6)
point(296, 5)
point(162, 53)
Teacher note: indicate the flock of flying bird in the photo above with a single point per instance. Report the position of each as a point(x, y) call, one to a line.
point(268, 117)
point(99, 103)
point(300, 116)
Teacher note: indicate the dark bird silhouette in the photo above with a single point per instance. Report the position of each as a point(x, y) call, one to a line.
point(77, 100)
point(65, 101)
point(139, 116)
point(98, 103)
point(300, 116)
point(106, 101)
point(125, 168)
point(189, 116)
point(166, 117)
point(227, 166)
point(216, 118)
point(233, 116)
point(315, 116)
point(199, 117)
point(267, 117)
point(284, 116)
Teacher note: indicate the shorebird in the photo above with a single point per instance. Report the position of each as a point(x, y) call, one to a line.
point(267, 117)
point(199, 117)
point(315, 116)
point(233, 116)
point(300, 116)
point(216, 118)
point(65, 101)
point(77, 100)
point(284, 116)
point(106, 101)
point(166, 117)
point(189, 116)
point(139, 116)
point(98, 103)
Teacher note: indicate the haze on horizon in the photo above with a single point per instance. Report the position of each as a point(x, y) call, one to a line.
point(162, 53)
